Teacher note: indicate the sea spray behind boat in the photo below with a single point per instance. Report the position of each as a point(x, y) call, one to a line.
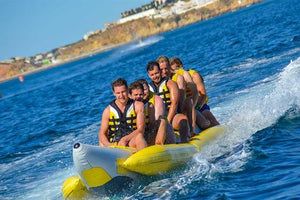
point(100, 167)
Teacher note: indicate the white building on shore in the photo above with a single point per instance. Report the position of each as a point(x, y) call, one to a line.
point(159, 10)
point(183, 6)
point(147, 13)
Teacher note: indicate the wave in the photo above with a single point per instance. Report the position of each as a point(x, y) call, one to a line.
point(60, 149)
point(244, 117)
point(258, 107)
point(249, 63)
point(140, 44)
point(252, 111)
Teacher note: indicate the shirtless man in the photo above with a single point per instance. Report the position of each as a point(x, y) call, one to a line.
point(123, 121)
point(168, 91)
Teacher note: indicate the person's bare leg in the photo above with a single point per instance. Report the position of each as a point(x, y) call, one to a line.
point(159, 108)
point(201, 121)
point(194, 122)
point(161, 132)
point(180, 122)
point(188, 111)
point(138, 142)
point(208, 115)
point(171, 137)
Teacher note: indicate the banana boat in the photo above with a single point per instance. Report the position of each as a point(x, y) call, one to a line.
point(98, 166)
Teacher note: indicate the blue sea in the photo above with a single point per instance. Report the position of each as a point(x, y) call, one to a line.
point(250, 61)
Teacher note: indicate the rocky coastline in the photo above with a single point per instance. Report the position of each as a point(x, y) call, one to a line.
point(118, 35)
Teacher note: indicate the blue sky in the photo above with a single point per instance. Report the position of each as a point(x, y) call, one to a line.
point(28, 27)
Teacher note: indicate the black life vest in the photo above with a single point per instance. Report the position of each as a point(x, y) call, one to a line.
point(162, 91)
point(121, 124)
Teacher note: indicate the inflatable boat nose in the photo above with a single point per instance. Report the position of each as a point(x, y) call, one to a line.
point(76, 146)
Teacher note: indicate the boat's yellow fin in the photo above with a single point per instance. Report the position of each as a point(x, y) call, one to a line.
point(73, 188)
point(96, 176)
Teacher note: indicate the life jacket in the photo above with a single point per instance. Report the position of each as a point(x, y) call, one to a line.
point(121, 124)
point(151, 98)
point(191, 72)
point(174, 77)
point(188, 91)
point(180, 71)
point(162, 91)
point(146, 106)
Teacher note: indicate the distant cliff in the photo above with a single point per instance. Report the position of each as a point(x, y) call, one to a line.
point(145, 27)
point(127, 32)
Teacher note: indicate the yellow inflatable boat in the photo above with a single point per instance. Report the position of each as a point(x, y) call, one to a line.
point(97, 166)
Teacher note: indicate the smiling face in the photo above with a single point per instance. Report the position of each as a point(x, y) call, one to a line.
point(121, 94)
point(164, 68)
point(155, 74)
point(146, 91)
point(137, 94)
point(174, 68)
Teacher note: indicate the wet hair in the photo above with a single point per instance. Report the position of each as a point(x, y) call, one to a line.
point(177, 61)
point(151, 65)
point(162, 59)
point(136, 85)
point(119, 82)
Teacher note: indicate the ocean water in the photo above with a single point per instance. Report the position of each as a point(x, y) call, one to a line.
point(250, 61)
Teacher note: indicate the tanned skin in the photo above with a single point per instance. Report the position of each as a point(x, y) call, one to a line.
point(135, 139)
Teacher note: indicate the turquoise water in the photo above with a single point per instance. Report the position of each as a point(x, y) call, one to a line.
point(250, 60)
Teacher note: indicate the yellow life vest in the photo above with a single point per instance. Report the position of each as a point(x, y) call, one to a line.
point(147, 114)
point(180, 71)
point(151, 98)
point(146, 106)
point(121, 124)
point(174, 77)
point(162, 91)
point(191, 72)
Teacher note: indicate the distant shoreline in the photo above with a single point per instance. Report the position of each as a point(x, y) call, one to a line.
point(45, 67)
point(122, 34)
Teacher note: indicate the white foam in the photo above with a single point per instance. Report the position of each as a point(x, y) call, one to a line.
point(49, 188)
point(141, 43)
point(241, 69)
point(246, 113)
point(252, 110)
